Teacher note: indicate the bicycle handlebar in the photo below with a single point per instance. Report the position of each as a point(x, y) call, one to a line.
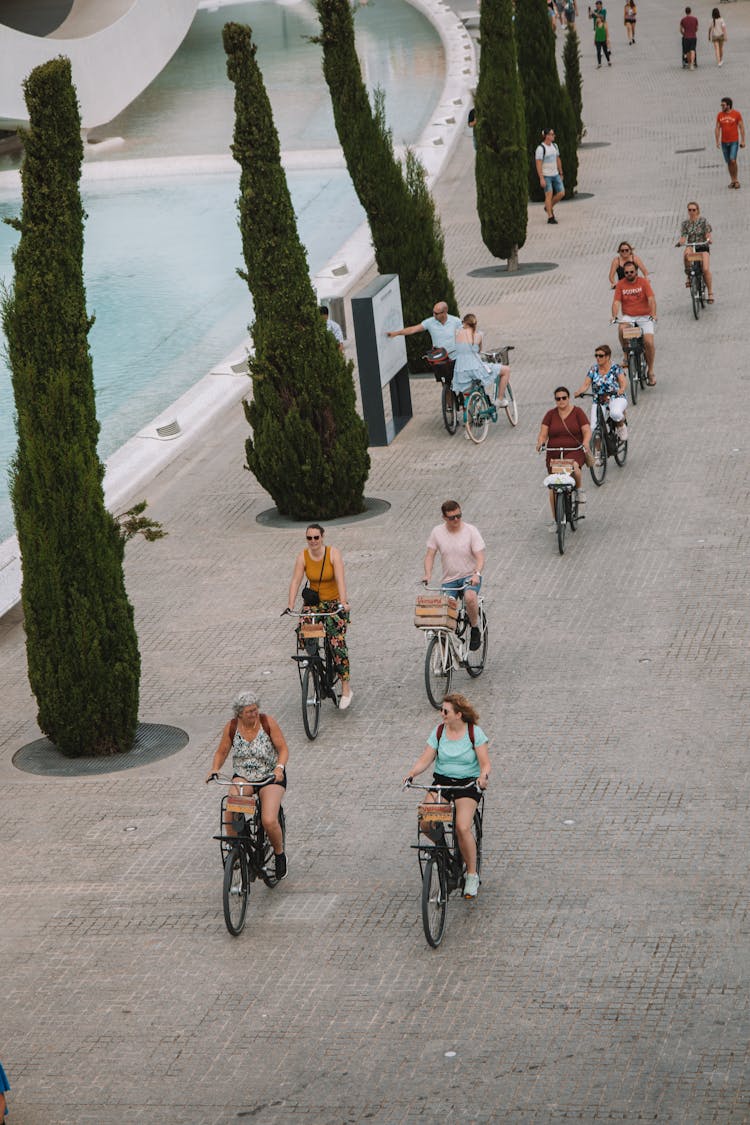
point(225, 779)
point(311, 611)
point(698, 247)
point(617, 320)
point(409, 783)
point(440, 590)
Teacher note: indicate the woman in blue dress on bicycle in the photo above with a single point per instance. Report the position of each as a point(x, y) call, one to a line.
point(459, 749)
point(469, 367)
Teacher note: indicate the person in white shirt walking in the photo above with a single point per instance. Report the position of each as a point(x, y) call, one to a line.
point(550, 171)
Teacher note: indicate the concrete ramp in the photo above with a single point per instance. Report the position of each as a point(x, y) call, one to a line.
point(116, 48)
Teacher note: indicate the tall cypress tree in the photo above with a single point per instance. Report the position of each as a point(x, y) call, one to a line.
point(573, 79)
point(406, 232)
point(546, 101)
point(82, 650)
point(500, 168)
point(309, 445)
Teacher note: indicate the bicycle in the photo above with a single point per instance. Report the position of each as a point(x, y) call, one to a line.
point(316, 668)
point(445, 623)
point(632, 338)
point(697, 282)
point(248, 855)
point(442, 368)
point(480, 409)
point(562, 484)
point(440, 862)
point(605, 439)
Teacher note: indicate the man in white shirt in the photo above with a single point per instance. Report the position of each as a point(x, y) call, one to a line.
point(462, 552)
point(333, 326)
point(550, 171)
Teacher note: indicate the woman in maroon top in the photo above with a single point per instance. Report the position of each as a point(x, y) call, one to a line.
point(565, 428)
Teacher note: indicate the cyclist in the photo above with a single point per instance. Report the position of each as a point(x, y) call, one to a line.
point(625, 254)
point(566, 433)
point(634, 302)
point(607, 378)
point(469, 366)
point(459, 748)
point(258, 750)
point(461, 550)
point(442, 327)
point(323, 567)
point(696, 228)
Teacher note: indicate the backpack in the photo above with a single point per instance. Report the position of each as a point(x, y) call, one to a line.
point(440, 730)
point(263, 722)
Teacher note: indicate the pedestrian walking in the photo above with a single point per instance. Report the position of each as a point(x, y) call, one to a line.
point(631, 15)
point(601, 42)
point(717, 34)
point(550, 171)
point(730, 135)
point(689, 33)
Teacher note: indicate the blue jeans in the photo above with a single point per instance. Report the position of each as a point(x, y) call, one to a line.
point(730, 149)
point(457, 585)
point(554, 183)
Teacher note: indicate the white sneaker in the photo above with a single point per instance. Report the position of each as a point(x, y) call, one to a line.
point(345, 701)
point(622, 432)
point(471, 886)
point(552, 527)
point(502, 403)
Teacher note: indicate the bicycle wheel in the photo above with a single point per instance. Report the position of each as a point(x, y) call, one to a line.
point(311, 701)
point(571, 508)
point(477, 425)
point(599, 449)
point(695, 295)
point(450, 414)
point(476, 660)
point(621, 450)
point(704, 292)
point(236, 889)
point(438, 669)
point(434, 900)
point(511, 410)
point(633, 376)
point(560, 520)
point(332, 679)
point(642, 369)
point(269, 862)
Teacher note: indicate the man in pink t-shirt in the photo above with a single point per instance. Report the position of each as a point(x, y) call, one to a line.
point(461, 549)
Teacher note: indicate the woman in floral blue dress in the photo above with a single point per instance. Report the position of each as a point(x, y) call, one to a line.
point(607, 380)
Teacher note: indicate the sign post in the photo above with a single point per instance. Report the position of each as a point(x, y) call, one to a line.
point(376, 310)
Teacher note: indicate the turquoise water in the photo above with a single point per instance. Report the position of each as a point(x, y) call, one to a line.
point(161, 252)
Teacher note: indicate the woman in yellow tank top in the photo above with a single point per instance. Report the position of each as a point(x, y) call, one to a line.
point(324, 569)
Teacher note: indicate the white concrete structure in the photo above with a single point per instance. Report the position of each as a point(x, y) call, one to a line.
point(116, 48)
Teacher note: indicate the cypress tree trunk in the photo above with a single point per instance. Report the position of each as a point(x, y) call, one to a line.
point(573, 79)
point(309, 445)
point(406, 232)
point(500, 168)
point(546, 101)
point(82, 650)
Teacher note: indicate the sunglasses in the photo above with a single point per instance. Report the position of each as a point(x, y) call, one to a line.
point(599, 355)
point(692, 208)
point(311, 537)
point(625, 249)
point(455, 516)
point(445, 711)
point(560, 398)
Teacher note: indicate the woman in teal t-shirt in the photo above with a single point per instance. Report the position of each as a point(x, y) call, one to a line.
point(459, 749)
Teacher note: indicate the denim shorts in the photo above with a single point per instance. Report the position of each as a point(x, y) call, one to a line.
point(554, 183)
point(457, 586)
point(729, 149)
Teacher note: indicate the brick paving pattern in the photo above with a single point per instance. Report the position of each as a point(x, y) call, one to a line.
point(603, 972)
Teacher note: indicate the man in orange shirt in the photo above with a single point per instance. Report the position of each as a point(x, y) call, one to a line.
point(730, 134)
point(634, 302)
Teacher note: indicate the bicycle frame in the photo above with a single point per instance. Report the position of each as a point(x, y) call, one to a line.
point(449, 842)
point(454, 645)
point(318, 651)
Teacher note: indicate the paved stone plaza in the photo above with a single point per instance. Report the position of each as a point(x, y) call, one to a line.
point(602, 974)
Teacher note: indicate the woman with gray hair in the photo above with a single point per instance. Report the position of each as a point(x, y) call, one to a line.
point(259, 750)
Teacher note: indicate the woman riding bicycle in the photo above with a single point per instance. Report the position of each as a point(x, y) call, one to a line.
point(696, 228)
point(259, 749)
point(566, 433)
point(605, 378)
point(323, 567)
point(625, 253)
point(459, 749)
point(469, 367)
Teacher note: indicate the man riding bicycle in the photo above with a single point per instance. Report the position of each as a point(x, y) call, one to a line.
point(462, 552)
point(442, 327)
point(634, 302)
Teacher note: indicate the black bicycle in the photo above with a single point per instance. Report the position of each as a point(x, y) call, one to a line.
point(605, 439)
point(562, 484)
point(441, 365)
point(316, 667)
point(440, 862)
point(632, 339)
point(698, 287)
point(247, 855)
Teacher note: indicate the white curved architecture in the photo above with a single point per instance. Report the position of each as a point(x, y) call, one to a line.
point(116, 48)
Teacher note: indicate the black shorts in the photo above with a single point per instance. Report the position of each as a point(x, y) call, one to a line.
point(451, 794)
point(258, 788)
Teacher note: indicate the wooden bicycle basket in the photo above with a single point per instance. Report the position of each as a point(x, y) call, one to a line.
point(631, 333)
point(244, 805)
point(435, 811)
point(438, 611)
point(562, 466)
point(694, 257)
point(311, 630)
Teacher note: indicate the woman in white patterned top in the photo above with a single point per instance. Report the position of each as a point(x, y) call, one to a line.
point(259, 750)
